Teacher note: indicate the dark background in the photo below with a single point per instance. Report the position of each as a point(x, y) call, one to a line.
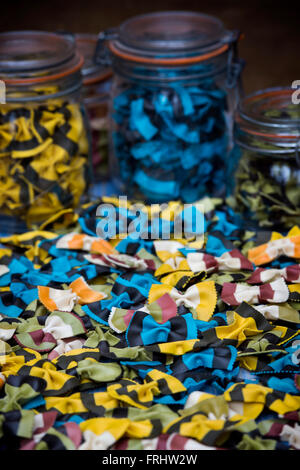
point(272, 29)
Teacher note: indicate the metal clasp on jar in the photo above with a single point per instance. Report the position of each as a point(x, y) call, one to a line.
point(102, 55)
point(234, 63)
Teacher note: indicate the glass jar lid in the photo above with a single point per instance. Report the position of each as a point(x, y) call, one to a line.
point(91, 71)
point(269, 121)
point(37, 56)
point(170, 37)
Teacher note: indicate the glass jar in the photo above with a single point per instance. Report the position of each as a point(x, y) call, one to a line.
point(96, 88)
point(267, 132)
point(176, 84)
point(44, 145)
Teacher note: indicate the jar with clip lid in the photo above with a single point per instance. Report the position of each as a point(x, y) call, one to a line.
point(176, 84)
point(44, 145)
point(267, 179)
point(96, 81)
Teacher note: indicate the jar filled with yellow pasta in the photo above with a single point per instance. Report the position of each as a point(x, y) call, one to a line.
point(44, 135)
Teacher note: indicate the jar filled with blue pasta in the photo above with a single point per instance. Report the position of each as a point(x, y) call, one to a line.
point(267, 178)
point(44, 142)
point(176, 84)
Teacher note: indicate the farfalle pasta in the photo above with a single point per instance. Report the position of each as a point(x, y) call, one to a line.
point(127, 344)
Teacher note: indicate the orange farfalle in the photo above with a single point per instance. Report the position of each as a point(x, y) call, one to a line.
point(85, 293)
point(288, 246)
point(80, 241)
point(64, 300)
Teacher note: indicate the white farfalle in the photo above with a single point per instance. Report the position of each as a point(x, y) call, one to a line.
point(171, 246)
point(3, 269)
point(38, 423)
point(7, 333)
point(253, 294)
point(57, 327)
point(190, 299)
point(64, 347)
point(244, 293)
point(193, 399)
point(127, 261)
point(175, 262)
point(225, 262)
point(270, 312)
point(93, 441)
point(114, 311)
point(64, 299)
point(281, 291)
point(196, 263)
point(272, 274)
point(115, 260)
point(282, 246)
point(291, 434)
